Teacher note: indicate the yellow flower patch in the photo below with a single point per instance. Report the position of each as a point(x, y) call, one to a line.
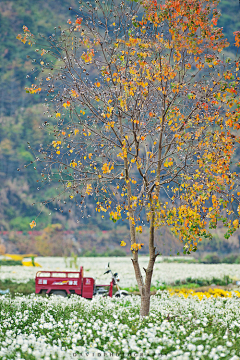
point(210, 293)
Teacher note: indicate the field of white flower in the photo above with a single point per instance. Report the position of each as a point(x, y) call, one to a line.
point(95, 267)
point(33, 328)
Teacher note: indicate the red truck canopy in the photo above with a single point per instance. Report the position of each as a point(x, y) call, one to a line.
point(70, 282)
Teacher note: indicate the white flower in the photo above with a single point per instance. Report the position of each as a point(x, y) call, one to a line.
point(191, 347)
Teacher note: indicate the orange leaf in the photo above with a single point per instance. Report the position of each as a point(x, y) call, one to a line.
point(79, 21)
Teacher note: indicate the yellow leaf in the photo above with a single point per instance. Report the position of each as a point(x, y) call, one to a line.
point(74, 93)
point(105, 168)
point(58, 114)
point(89, 189)
point(235, 223)
point(139, 229)
point(123, 243)
point(32, 224)
point(67, 104)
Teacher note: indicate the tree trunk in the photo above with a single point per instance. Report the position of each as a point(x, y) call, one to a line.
point(144, 288)
point(145, 305)
point(145, 294)
point(135, 262)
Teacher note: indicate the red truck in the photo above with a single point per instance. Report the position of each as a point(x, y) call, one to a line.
point(64, 283)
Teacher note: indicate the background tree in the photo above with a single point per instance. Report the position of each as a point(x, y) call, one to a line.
point(53, 241)
point(160, 118)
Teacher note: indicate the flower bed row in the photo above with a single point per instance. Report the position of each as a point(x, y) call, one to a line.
point(178, 327)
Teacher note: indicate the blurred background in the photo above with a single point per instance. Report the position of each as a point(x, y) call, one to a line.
point(21, 114)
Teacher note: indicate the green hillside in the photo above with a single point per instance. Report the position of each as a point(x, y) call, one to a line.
point(22, 114)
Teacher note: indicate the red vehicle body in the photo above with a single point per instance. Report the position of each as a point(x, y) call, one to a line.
point(64, 283)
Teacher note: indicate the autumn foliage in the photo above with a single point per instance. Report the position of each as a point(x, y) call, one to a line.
point(146, 119)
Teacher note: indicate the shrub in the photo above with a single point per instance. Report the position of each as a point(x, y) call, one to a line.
point(10, 262)
point(211, 259)
point(237, 261)
point(116, 252)
point(230, 259)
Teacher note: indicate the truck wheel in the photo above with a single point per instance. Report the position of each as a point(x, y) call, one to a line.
point(59, 293)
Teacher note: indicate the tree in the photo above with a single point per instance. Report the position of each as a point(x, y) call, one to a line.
point(144, 111)
point(52, 242)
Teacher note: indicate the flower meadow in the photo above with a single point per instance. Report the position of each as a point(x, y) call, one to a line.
point(182, 324)
point(177, 327)
point(95, 267)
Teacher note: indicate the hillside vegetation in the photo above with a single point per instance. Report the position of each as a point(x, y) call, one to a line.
point(21, 115)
